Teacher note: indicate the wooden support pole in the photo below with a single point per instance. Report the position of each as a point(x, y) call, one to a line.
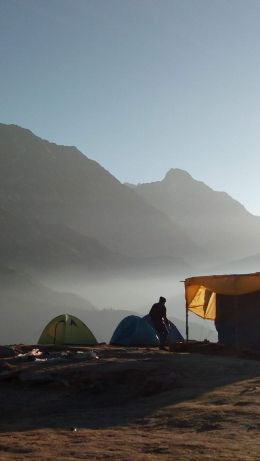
point(187, 322)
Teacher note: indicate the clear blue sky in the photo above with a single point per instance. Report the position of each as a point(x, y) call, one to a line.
point(141, 86)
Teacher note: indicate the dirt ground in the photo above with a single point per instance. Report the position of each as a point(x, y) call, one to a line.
point(129, 404)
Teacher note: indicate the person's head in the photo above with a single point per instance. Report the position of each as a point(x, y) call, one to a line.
point(162, 300)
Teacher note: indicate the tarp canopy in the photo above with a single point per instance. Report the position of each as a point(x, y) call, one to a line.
point(201, 292)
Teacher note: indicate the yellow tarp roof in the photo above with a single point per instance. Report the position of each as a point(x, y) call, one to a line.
point(200, 292)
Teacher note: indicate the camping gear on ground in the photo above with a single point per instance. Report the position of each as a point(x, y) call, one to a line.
point(232, 301)
point(67, 329)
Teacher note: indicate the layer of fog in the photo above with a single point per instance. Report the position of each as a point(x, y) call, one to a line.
point(29, 303)
point(136, 295)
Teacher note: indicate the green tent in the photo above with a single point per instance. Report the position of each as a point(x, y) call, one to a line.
point(67, 329)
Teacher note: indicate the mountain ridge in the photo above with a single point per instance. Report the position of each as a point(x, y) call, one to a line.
point(64, 217)
point(221, 224)
point(63, 188)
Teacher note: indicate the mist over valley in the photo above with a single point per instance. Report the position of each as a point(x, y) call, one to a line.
point(74, 239)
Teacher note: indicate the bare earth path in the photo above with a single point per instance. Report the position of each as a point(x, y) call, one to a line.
point(130, 404)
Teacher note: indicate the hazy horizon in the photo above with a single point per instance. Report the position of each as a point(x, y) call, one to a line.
point(100, 303)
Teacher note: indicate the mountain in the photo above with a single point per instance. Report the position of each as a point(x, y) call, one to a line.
point(67, 224)
point(214, 220)
point(64, 218)
point(60, 209)
point(244, 265)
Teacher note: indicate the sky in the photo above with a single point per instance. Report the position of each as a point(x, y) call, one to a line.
point(140, 86)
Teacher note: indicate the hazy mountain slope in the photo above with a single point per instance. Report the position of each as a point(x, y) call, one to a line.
point(213, 219)
point(58, 188)
point(27, 305)
point(38, 246)
point(244, 265)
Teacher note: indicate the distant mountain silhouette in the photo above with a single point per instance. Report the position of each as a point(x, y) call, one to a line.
point(59, 208)
point(27, 306)
point(214, 220)
point(241, 266)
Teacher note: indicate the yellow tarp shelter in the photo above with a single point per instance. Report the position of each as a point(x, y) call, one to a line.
point(201, 292)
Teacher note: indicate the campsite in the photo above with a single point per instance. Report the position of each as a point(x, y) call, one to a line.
point(129, 230)
point(70, 397)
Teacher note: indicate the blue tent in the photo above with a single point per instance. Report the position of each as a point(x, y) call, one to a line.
point(173, 336)
point(134, 331)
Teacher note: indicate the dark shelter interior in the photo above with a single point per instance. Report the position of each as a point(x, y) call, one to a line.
point(238, 320)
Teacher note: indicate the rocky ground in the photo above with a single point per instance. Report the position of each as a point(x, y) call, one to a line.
point(135, 404)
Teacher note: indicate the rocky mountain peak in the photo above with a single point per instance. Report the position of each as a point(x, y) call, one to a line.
point(177, 175)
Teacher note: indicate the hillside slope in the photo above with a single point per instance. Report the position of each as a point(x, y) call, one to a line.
point(217, 222)
point(61, 191)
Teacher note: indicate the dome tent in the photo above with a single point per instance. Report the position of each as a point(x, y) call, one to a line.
point(173, 336)
point(67, 329)
point(134, 331)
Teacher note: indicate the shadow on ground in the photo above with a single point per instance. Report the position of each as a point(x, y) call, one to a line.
point(121, 387)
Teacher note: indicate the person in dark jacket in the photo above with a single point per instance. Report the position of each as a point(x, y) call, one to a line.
point(159, 319)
